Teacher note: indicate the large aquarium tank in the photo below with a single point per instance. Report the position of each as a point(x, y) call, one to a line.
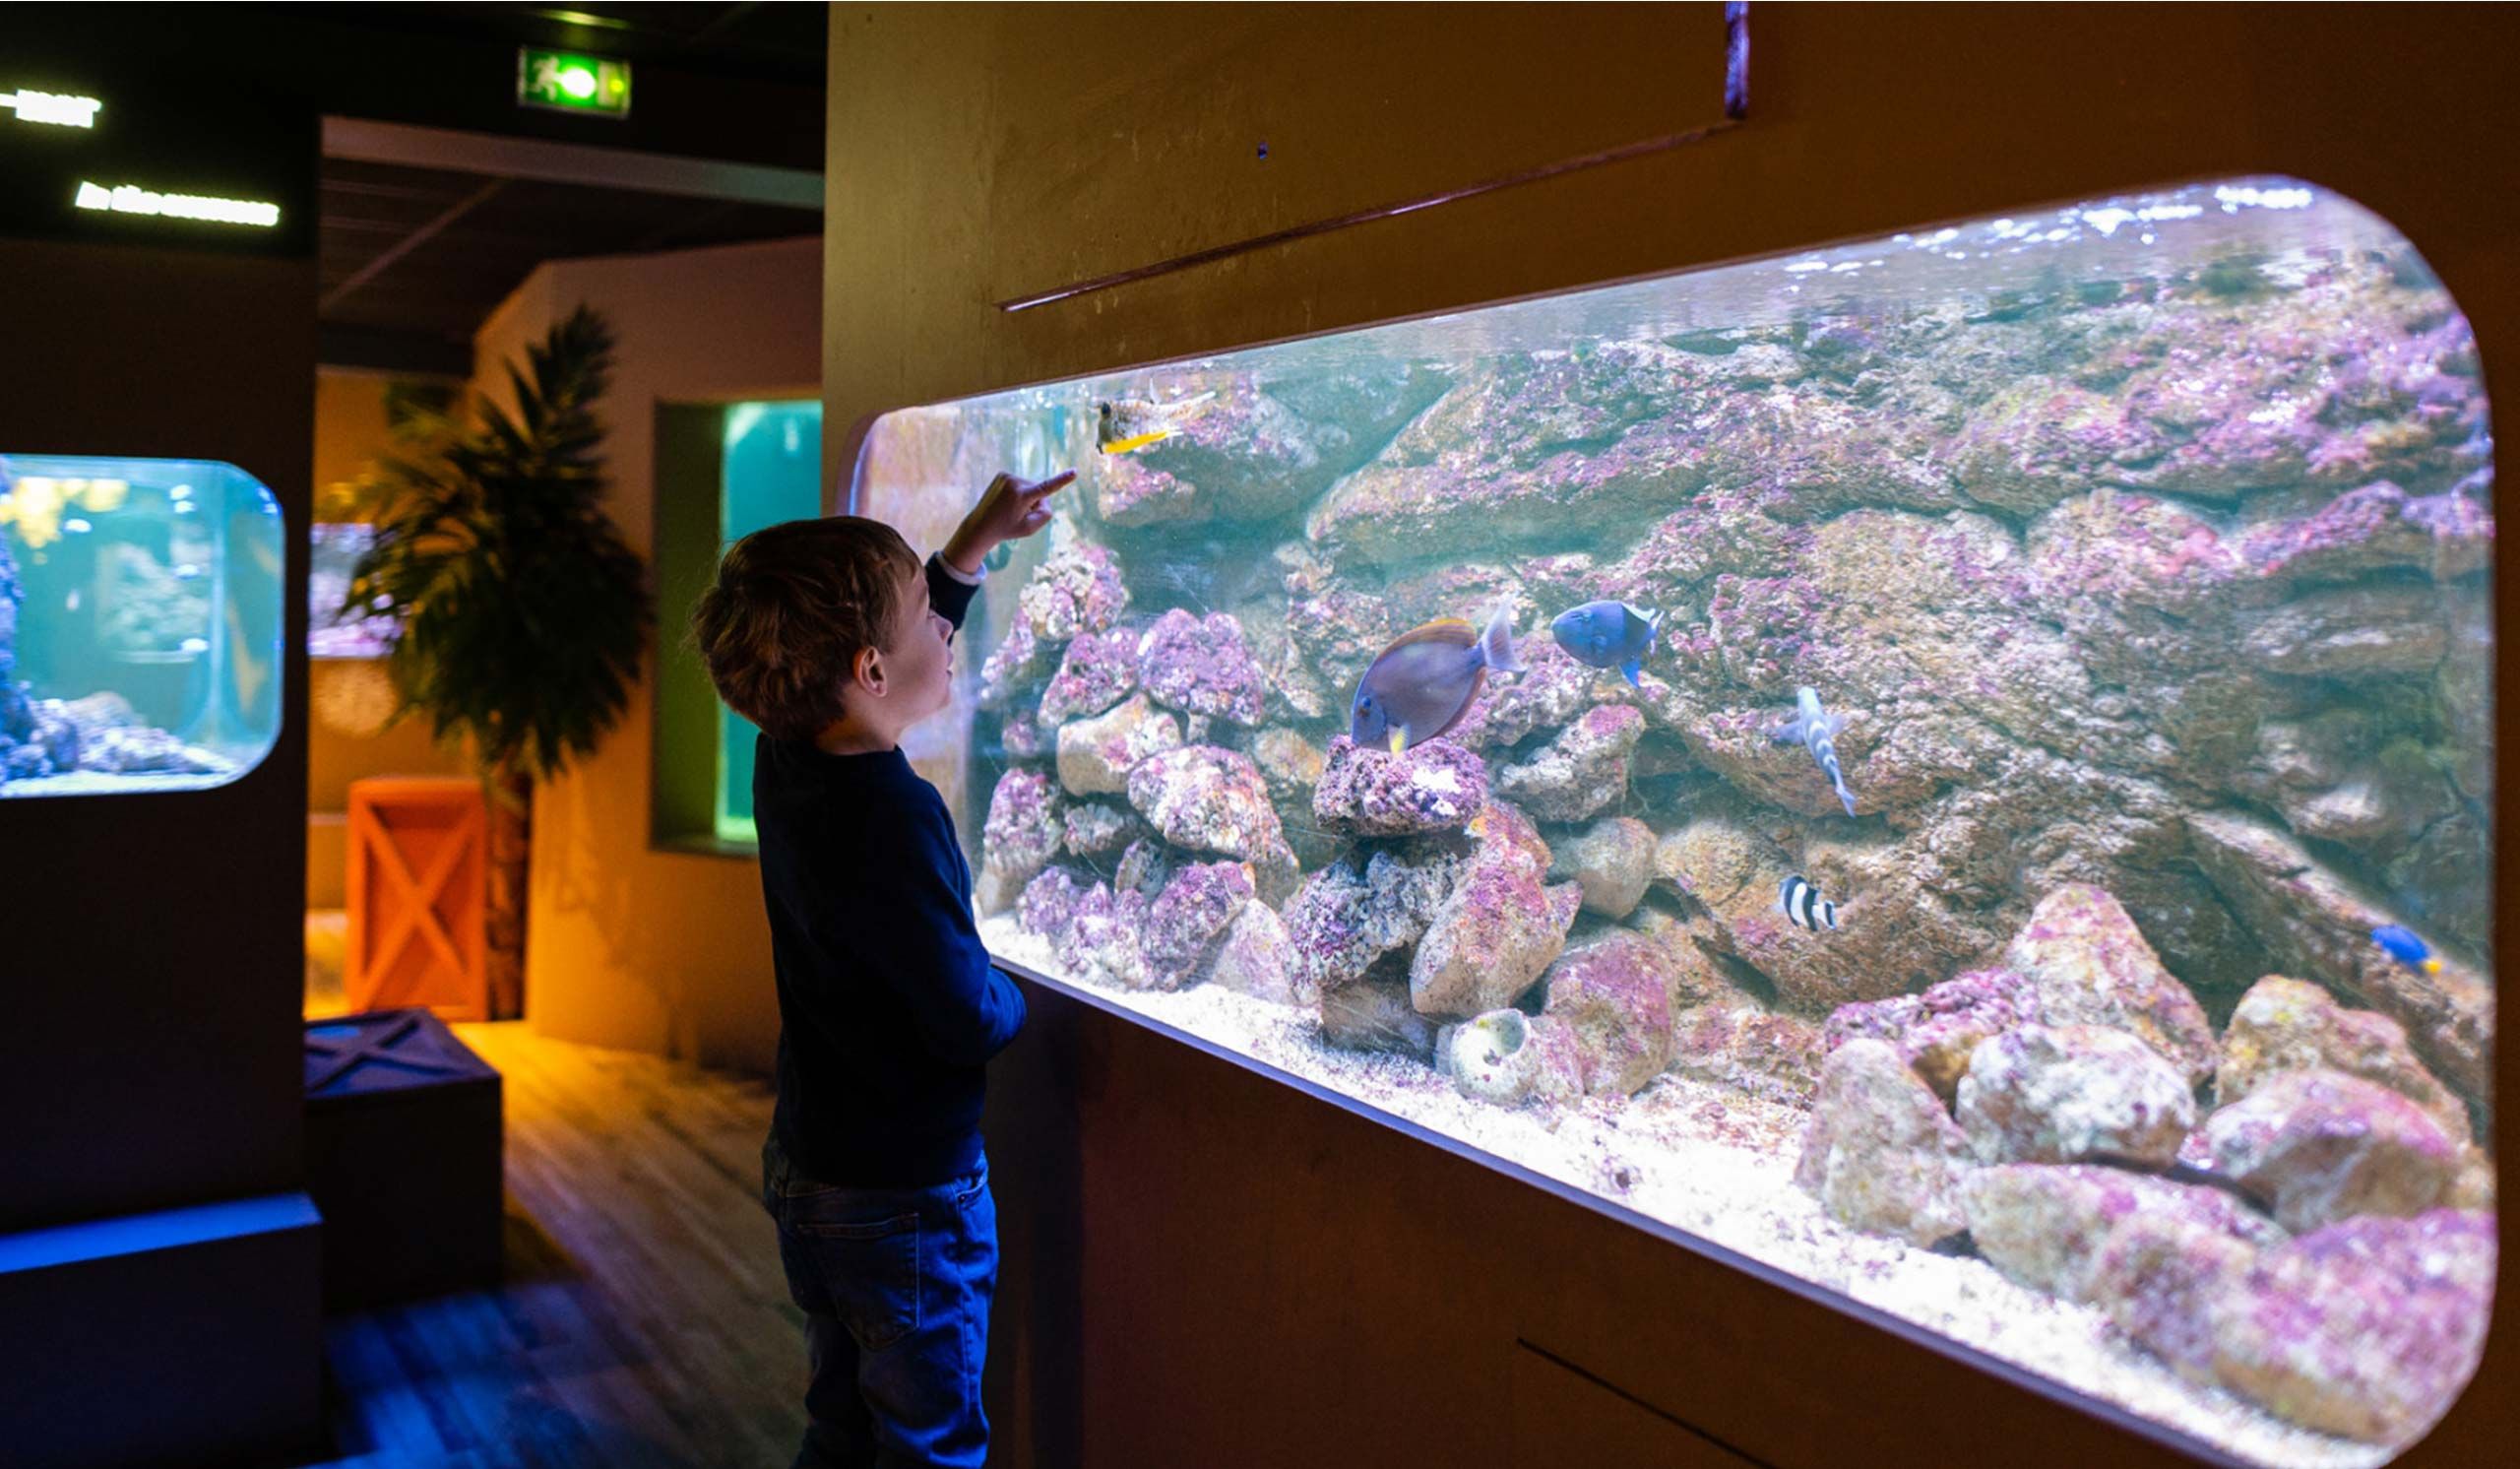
point(1959, 766)
point(140, 624)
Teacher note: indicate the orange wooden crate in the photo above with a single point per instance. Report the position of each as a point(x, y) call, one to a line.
point(416, 884)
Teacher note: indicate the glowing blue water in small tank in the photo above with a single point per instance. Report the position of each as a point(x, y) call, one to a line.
point(140, 624)
point(1959, 766)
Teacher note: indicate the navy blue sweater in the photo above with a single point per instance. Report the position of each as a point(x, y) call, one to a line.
point(888, 1006)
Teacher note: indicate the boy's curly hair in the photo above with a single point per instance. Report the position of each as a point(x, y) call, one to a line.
point(793, 606)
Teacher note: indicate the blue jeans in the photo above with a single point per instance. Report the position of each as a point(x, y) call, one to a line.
point(895, 1284)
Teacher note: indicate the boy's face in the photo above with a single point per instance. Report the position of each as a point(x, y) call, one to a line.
point(917, 663)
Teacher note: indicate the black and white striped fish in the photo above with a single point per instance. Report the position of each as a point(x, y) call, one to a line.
point(1803, 905)
point(1818, 734)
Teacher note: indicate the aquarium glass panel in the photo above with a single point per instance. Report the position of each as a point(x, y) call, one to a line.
point(1958, 766)
point(772, 472)
point(140, 624)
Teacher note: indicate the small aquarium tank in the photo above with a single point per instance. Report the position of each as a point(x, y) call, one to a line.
point(1959, 766)
point(140, 624)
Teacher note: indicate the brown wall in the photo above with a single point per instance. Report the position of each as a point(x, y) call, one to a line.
point(350, 431)
point(628, 946)
point(985, 152)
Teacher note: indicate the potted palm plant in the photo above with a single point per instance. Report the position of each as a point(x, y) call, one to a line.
point(519, 614)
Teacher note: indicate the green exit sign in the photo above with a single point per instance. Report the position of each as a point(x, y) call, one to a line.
point(569, 82)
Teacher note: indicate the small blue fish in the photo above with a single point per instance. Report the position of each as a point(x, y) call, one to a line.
point(2402, 945)
point(1818, 734)
point(1608, 635)
point(1803, 907)
point(1421, 686)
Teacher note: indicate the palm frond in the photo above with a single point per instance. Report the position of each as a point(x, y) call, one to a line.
point(523, 615)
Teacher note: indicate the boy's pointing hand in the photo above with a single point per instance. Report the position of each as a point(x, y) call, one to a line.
point(1010, 509)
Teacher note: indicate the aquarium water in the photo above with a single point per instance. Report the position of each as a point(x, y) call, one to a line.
point(1957, 766)
point(140, 624)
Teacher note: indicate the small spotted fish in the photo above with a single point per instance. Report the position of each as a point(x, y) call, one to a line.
point(1421, 685)
point(1803, 907)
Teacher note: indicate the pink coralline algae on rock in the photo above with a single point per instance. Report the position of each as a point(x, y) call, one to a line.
point(1939, 1030)
point(1201, 666)
point(1026, 828)
point(2319, 1146)
point(1097, 756)
point(2288, 1025)
point(1880, 1154)
point(1346, 917)
point(1498, 928)
point(1014, 661)
point(1190, 917)
point(2062, 1094)
point(2087, 963)
point(1734, 1042)
point(1581, 771)
point(1612, 861)
point(1209, 799)
point(2377, 527)
point(1098, 671)
point(2367, 1329)
point(1617, 995)
point(2044, 1224)
point(1437, 785)
point(1077, 588)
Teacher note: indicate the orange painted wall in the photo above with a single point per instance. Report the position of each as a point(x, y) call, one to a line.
point(627, 946)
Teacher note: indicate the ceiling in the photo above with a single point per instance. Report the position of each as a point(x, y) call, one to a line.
point(421, 241)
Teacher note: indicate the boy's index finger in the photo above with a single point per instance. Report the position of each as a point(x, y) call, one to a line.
point(1058, 481)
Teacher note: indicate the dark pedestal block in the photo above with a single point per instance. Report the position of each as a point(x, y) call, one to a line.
point(403, 1139)
point(183, 1336)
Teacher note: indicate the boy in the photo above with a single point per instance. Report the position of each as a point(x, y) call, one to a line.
point(831, 636)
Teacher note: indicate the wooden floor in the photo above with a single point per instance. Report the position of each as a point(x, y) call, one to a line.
point(643, 1321)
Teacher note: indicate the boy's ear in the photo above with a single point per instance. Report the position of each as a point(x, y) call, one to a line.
point(866, 670)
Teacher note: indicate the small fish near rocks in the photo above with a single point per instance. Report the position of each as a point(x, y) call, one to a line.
point(1817, 732)
point(1803, 907)
point(1608, 635)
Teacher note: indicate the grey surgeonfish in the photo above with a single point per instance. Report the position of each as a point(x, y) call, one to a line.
point(1421, 685)
point(1803, 905)
point(1817, 733)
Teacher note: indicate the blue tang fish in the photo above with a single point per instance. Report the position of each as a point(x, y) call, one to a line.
point(1608, 635)
point(1421, 685)
point(2402, 946)
point(1817, 733)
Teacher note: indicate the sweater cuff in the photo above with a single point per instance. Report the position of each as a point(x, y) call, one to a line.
point(950, 569)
